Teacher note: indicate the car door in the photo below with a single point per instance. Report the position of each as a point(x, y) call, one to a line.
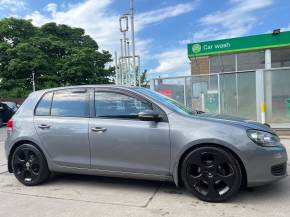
point(121, 142)
point(61, 120)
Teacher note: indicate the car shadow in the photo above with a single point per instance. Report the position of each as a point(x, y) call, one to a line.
point(100, 181)
point(280, 189)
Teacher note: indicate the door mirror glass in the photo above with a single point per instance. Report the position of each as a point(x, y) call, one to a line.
point(149, 115)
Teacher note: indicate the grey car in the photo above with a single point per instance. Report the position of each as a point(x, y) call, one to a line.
point(134, 132)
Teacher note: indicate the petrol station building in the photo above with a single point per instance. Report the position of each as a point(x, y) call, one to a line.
point(264, 51)
point(246, 76)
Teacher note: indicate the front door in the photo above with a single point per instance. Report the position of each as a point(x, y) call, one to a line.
point(61, 120)
point(121, 142)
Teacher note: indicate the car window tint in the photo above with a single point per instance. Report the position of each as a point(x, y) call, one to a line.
point(43, 107)
point(70, 104)
point(110, 104)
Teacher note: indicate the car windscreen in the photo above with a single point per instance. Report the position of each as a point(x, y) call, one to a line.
point(167, 101)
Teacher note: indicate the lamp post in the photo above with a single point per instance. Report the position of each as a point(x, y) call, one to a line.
point(33, 82)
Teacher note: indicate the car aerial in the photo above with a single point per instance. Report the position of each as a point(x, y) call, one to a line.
point(7, 110)
point(134, 132)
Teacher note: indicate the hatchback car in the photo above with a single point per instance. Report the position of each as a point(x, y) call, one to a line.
point(134, 132)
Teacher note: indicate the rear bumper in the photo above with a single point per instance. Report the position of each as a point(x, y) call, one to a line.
point(268, 164)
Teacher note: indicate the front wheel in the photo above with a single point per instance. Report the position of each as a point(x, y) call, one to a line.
point(29, 165)
point(212, 174)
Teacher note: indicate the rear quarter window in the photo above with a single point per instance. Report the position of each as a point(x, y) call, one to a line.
point(43, 107)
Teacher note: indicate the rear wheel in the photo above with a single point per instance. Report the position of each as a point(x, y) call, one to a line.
point(212, 174)
point(29, 165)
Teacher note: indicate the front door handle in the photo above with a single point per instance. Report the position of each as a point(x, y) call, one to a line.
point(98, 129)
point(44, 126)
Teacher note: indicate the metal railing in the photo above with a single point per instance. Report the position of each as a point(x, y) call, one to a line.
point(262, 95)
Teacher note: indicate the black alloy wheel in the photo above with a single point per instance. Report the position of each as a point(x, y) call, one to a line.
point(29, 165)
point(212, 174)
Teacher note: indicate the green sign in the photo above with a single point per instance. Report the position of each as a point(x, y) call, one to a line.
point(232, 45)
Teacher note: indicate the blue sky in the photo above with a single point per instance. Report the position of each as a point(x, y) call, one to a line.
point(163, 28)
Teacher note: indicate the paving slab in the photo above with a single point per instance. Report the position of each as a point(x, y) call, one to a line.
point(91, 189)
point(268, 201)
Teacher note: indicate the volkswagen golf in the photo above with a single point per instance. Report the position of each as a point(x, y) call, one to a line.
point(135, 132)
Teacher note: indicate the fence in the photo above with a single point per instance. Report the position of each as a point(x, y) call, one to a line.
point(262, 95)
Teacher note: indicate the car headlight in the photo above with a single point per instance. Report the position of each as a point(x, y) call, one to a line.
point(263, 138)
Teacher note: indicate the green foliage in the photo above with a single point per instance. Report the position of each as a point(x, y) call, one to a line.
point(58, 55)
point(143, 79)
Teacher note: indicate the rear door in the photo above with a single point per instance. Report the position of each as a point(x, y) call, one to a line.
point(61, 120)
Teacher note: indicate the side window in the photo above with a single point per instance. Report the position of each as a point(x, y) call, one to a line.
point(118, 105)
point(43, 107)
point(70, 103)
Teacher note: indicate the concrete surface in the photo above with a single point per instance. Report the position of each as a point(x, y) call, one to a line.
point(80, 196)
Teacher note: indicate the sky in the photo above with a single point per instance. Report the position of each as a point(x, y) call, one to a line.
point(163, 28)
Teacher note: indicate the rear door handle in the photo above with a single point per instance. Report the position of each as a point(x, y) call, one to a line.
point(44, 126)
point(98, 129)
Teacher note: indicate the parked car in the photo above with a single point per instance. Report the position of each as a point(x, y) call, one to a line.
point(7, 110)
point(134, 132)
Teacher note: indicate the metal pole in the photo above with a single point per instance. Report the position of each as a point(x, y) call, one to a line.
point(125, 55)
point(139, 74)
point(33, 82)
point(133, 39)
point(120, 73)
point(121, 63)
point(128, 55)
point(116, 69)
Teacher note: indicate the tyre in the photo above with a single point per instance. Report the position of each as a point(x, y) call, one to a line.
point(212, 174)
point(29, 165)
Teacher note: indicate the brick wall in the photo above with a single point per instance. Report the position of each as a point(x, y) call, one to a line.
point(200, 65)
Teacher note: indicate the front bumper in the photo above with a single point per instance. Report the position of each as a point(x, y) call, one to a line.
point(266, 165)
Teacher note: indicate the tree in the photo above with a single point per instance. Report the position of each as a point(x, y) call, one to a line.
point(58, 55)
point(143, 79)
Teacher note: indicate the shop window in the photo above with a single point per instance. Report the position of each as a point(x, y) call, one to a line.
point(251, 61)
point(223, 63)
point(281, 57)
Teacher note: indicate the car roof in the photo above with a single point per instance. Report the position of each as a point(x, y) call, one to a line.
point(90, 86)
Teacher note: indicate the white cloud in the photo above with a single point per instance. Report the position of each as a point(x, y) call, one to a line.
point(172, 62)
point(286, 28)
point(155, 16)
point(12, 5)
point(102, 24)
point(236, 21)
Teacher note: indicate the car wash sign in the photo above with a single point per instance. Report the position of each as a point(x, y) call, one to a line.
point(241, 44)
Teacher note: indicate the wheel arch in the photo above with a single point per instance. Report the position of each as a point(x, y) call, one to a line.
point(177, 169)
point(15, 146)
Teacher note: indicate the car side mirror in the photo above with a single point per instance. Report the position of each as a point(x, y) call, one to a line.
point(149, 115)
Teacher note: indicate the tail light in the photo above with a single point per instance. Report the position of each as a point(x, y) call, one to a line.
point(9, 125)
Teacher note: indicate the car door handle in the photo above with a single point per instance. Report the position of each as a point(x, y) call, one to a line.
point(98, 129)
point(44, 126)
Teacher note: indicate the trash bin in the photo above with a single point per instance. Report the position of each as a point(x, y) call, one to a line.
point(287, 106)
